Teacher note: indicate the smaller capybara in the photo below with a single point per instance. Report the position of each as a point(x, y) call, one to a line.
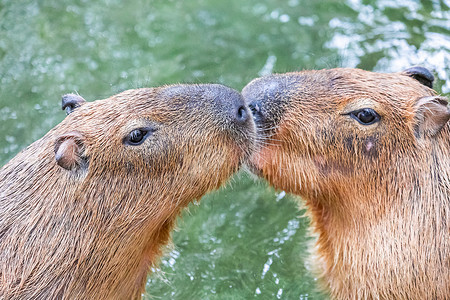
point(85, 210)
point(370, 155)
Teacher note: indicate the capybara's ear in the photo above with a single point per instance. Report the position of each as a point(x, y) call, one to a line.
point(421, 74)
point(431, 115)
point(71, 101)
point(69, 151)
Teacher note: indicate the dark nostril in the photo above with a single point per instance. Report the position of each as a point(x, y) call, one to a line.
point(241, 115)
point(254, 107)
point(71, 101)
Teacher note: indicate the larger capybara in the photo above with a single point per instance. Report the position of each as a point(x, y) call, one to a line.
point(85, 210)
point(370, 155)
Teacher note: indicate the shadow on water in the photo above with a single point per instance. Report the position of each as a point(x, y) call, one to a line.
point(246, 240)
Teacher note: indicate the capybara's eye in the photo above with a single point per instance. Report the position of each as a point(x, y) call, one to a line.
point(137, 136)
point(365, 116)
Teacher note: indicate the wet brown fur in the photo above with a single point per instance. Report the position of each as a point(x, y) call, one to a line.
point(378, 195)
point(93, 231)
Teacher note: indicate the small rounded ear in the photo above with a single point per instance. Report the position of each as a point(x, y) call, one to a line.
point(69, 151)
point(71, 101)
point(431, 116)
point(421, 74)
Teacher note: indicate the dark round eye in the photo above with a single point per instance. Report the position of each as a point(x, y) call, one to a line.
point(365, 116)
point(137, 136)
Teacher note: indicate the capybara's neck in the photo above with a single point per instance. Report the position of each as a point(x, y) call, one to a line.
point(94, 239)
point(370, 229)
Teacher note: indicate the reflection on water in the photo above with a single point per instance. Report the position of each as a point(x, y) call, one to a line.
point(393, 36)
point(245, 240)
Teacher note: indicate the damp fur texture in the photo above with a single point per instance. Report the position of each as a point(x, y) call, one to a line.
point(83, 214)
point(378, 195)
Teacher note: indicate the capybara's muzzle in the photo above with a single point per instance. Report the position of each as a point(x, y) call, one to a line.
point(267, 99)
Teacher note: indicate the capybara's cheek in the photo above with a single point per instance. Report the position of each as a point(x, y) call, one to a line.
point(261, 160)
point(270, 162)
point(226, 160)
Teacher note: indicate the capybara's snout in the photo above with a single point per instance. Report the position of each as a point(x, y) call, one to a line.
point(228, 106)
point(222, 108)
point(266, 98)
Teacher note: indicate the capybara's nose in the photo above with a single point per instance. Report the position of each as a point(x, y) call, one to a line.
point(224, 104)
point(232, 106)
point(255, 108)
point(266, 98)
point(241, 115)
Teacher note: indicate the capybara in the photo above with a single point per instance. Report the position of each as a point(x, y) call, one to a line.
point(85, 210)
point(370, 155)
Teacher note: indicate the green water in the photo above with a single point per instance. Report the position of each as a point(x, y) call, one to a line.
point(246, 240)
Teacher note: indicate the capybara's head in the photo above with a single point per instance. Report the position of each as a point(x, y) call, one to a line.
point(85, 210)
point(177, 142)
point(329, 130)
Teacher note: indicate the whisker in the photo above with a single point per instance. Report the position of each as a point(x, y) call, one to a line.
point(268, 128)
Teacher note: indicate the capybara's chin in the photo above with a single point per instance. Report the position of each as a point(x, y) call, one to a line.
point(369, 154)
point(85, 210)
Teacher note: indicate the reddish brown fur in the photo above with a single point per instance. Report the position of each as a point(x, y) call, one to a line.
point(377, 195)
point(94, 231)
